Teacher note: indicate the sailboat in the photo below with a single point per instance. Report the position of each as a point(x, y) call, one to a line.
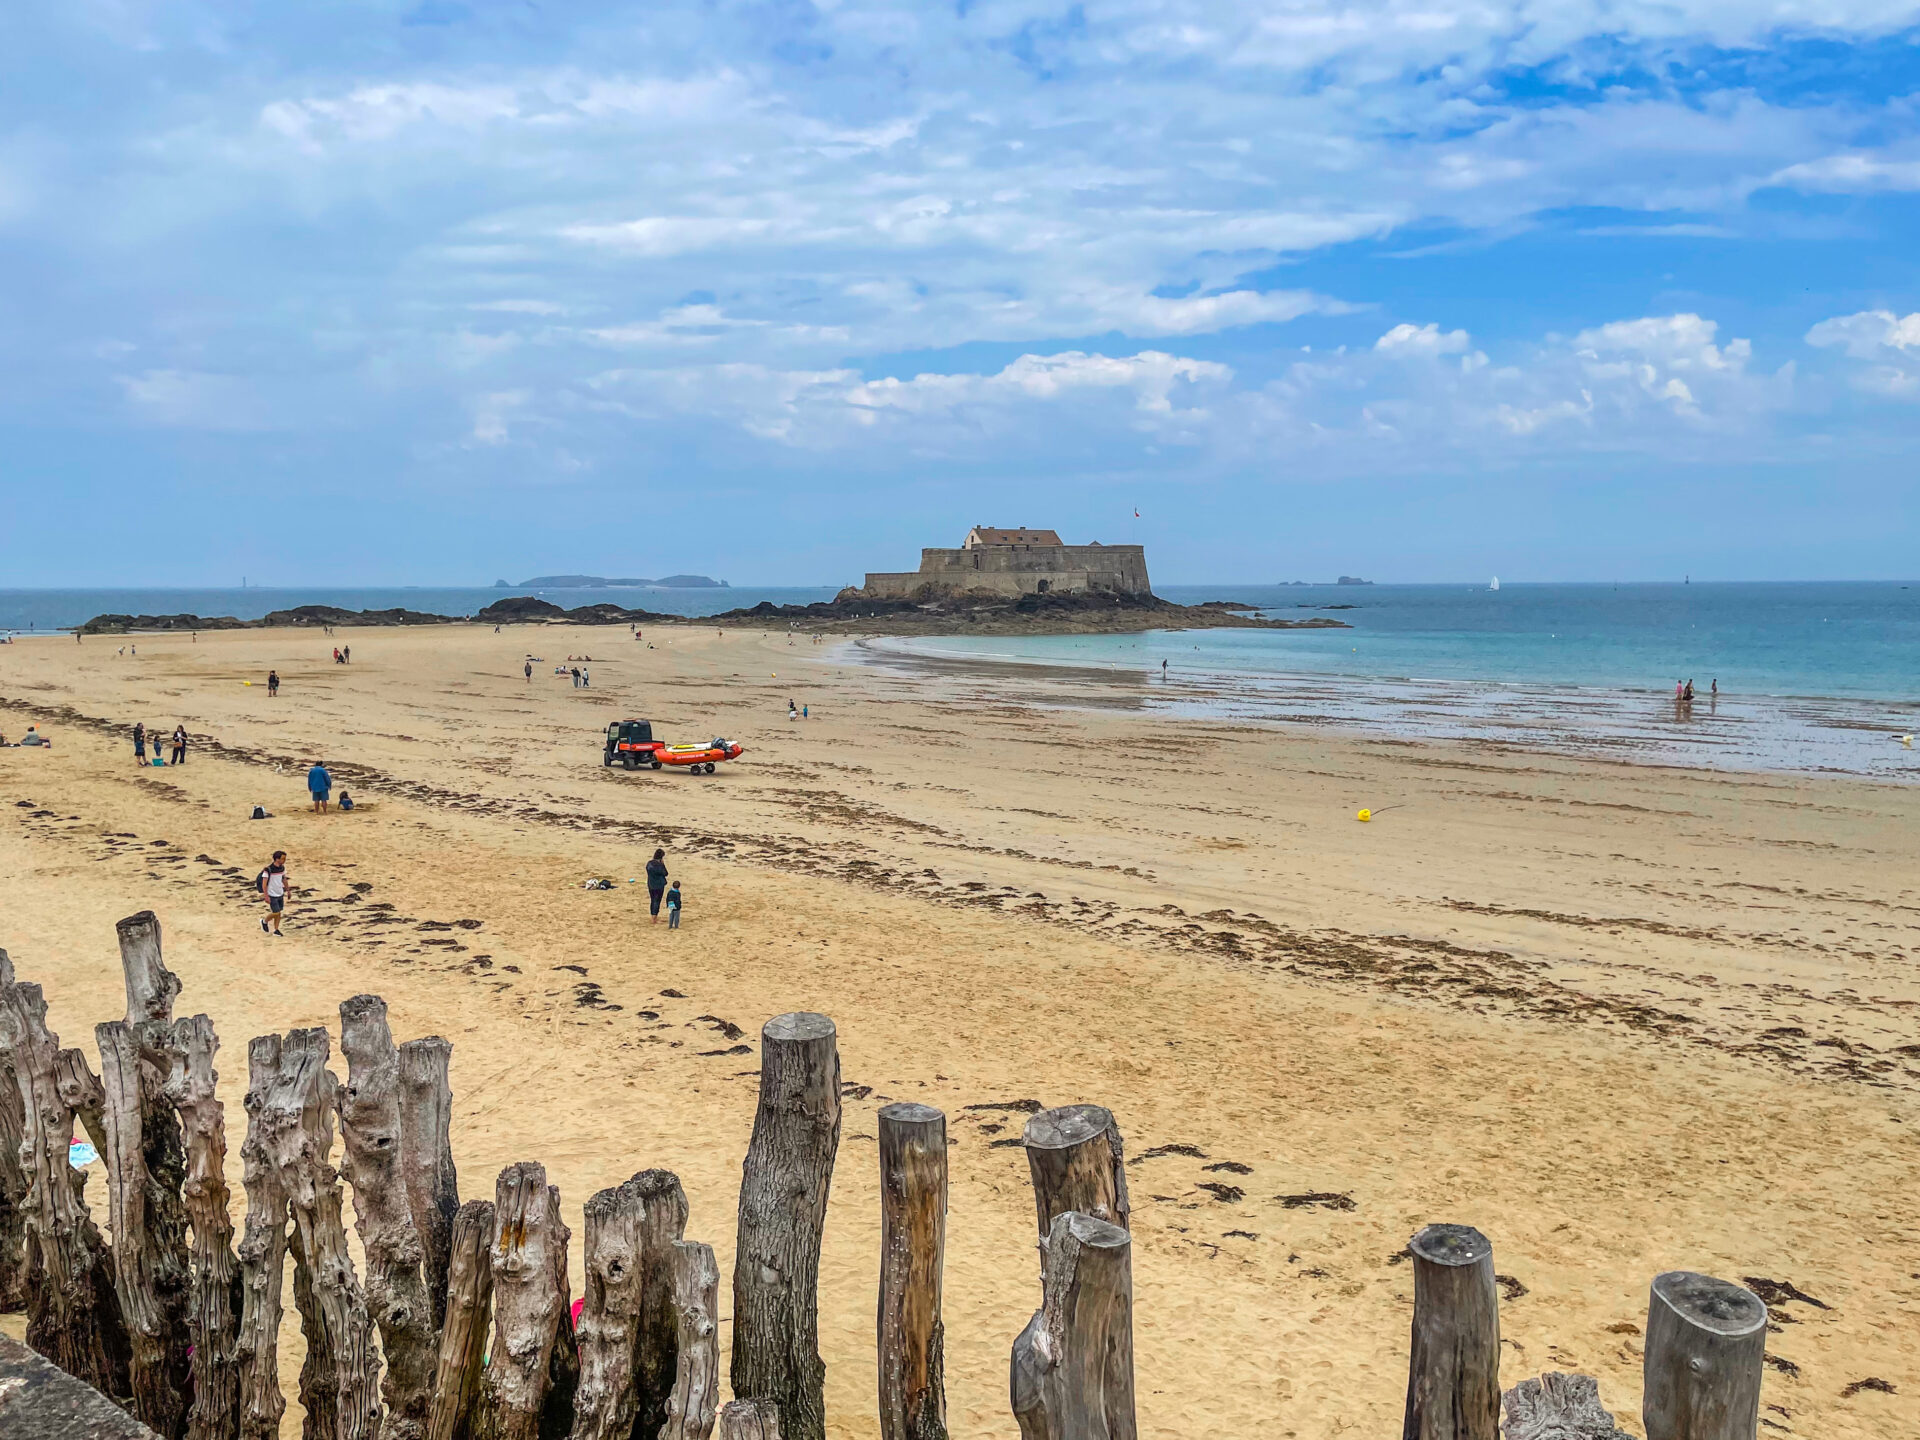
point(1496, 583)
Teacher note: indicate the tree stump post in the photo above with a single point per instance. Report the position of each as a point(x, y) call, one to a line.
point(911, 1339)
point(783, 1204)
point(609, 1328)
point(151, 1271)
point(749, 1420)
point(528, 1257)
point(1557, 1406)
point(463, 1337)
point(13, 1179)
point(1071, 1376)
point(1077, 1161)
point(426, 1156)
point(656, 1364)
point(73, 1311)
point(1706, 1351)
point(694, 1282)
point(214, 1301)
point(151, 986)
point(372, 1134)
point(1453, 1376)
point(79, 1088)
point(263, 1254)
point(296, 1123)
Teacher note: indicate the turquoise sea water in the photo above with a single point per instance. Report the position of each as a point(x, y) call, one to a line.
point(1811, 676)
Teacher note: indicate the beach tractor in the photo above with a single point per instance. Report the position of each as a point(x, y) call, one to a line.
point(631, 743)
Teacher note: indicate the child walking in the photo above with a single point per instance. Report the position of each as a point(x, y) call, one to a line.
point(673, 906)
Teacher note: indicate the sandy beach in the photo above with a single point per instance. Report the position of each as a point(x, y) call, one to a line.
point(1623, 1018)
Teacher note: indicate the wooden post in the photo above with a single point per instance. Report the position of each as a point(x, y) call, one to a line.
point(694, 1281)
point(371, 1132)
point(913, 1238)
point(1557, 1406)
point(1075, 1156)
point(1072, 1371)
point(214, 1300)
point(13, 1179)
point(79, 1088)
point(426, 1156)
point(1706, 1350)
point(1453, 1377)
point(296, 1123)
point(320, 1371)
point(151, 987)
point(263, 1254)
point(463, 1337)
point(73, 1313)
point(749, 1420)
point(609, 1329)
point(656, 1363)
point(528, 1257)
point(783, 1205)
point(149, 1240)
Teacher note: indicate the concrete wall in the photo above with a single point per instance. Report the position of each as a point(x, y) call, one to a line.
point(1019, 570)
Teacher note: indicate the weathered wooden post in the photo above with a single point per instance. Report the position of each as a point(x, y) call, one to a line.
point(149, 1239)
point(463, 1337)
point(783, 1206)
point(609, 1328)
point(1071, 1376)
point(1557, 1406)
point(663, 1222)
point(1706, 1351)
point(151, 986)
point(694, 1280)
point(263, 1254)
point(215, 1297)
point(79, 1088)
point(73, 1312)
point(1076, 1159)
point(13, 1179)
point(913, 1236)
point(371, 1130)
point(749, 1420)
point(1453, 1378)
point(531, 1333)
point(426, 1156)
point(296, 1124)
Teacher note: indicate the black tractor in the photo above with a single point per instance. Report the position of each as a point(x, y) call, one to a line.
point(631, 742)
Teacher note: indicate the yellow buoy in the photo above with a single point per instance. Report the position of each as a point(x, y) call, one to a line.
point(1364, 816)
point(246, 682)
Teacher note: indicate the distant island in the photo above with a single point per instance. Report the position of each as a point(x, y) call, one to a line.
point(1352, 580)
point(603, 582)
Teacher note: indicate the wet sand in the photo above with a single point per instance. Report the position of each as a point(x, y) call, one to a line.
point(1623, 1018)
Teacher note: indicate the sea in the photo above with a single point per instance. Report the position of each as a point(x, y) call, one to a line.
point(1812, 677)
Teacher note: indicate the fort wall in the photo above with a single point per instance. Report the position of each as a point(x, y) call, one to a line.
point(1019, 570)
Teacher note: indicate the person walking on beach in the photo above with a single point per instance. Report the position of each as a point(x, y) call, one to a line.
point(574, 671)
point(319, 786)
point(656, 883)
point(139, 743)
point(673, 906)
point(273, 889)
point(179, 744)
point(346, 654)
point(586, 678)
point(273, 683)
point(529, 670)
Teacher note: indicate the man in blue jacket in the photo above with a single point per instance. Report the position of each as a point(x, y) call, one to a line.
point(319, 786)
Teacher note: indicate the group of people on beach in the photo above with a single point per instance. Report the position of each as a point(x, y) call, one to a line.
point(1683, 695)
point(143, 737)
point(342, 654)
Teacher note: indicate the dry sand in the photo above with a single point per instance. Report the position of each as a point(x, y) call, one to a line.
point(1623, 1019)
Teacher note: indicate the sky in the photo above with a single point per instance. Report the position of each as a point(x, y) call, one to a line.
point(438, 292)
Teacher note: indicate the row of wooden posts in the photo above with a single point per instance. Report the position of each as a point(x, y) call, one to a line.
point(470, 1302)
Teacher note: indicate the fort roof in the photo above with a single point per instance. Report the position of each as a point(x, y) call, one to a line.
point(982, 535)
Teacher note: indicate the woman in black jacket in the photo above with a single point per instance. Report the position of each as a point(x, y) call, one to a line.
point(656, 882)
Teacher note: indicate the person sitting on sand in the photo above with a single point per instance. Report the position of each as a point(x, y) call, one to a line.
point(34, 737)
point(346, 800)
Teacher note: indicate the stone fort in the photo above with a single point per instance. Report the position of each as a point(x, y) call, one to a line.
point(1017, 562)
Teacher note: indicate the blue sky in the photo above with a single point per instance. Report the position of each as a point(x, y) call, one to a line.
point(434, 292)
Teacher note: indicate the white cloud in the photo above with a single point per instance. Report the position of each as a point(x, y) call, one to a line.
point(491, 414)
point(194, 400)
point(1890, 344)
point(1851, 174)
point(1422, 340)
